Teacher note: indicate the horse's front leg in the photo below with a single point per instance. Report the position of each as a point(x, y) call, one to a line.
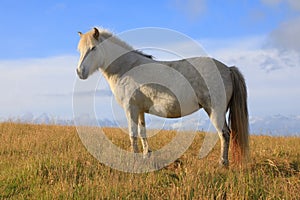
point(142, 134)
point(132, 118)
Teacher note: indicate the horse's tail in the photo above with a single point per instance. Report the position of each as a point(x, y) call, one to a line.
point(238, 117)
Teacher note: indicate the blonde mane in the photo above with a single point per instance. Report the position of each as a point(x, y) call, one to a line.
point(105, 33)
point(88, 41)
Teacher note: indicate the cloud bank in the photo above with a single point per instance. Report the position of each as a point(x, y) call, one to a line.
point(37, 85)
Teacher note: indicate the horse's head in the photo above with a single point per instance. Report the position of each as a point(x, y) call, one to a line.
point(91, 56)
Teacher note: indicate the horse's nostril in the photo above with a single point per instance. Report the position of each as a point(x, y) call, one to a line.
point(80, 73)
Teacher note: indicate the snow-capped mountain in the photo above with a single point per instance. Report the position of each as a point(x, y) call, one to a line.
point(275, 125)
point(270, 125)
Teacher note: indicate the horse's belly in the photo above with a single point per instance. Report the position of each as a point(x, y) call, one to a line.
point(161, 101)
point(173, 108)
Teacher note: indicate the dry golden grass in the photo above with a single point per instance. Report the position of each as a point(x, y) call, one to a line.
point(50, 162)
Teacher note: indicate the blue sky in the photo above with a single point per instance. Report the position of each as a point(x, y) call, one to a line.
point(48, 28)
point(38, 53)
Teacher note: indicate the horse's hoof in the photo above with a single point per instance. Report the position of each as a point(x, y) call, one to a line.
point(224, 164)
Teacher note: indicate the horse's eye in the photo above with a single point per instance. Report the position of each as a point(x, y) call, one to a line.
point(93, 48)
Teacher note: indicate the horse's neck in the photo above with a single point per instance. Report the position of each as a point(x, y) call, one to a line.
point(117, 68)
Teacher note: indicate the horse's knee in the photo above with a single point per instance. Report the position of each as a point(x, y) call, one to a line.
point(134, 146)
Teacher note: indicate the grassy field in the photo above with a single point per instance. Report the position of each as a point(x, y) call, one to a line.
point(50, 162)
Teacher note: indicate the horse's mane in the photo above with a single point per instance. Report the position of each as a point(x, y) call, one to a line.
point(107, 34)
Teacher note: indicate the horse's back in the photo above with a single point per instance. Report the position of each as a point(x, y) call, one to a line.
point(199, 71)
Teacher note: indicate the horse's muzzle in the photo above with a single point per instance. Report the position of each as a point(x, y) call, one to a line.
point(81, 74)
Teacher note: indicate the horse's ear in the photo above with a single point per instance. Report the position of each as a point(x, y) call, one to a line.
point(79, 33)
point(96, 33)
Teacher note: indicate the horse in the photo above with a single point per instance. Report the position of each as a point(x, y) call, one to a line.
point(170, 89)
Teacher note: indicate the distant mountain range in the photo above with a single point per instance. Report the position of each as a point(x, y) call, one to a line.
point(270, 125)
point(275, 125)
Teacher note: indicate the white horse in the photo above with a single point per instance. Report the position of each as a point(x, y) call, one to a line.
point(143, 85)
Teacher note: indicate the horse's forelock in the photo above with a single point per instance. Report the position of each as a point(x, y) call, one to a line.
point(88, 40)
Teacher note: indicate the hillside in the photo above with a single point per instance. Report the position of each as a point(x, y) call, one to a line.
point(50, 162)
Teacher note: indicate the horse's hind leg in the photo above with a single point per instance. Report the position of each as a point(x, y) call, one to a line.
point(142, 134)
point(219, 122)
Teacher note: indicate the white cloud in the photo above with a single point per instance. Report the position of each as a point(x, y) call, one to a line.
point(37, 85)
point(191, 8)
point(271, 76)
point(286, 35)
point(293, 4)
point(271, 2)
